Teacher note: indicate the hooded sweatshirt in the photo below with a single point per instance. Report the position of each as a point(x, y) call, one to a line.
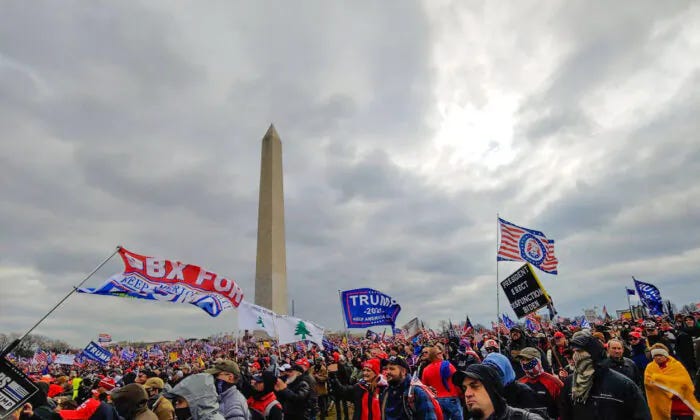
point(516, 394)
point(200, 393)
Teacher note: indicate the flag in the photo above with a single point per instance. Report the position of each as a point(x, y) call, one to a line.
point(630, 292)
point(170, 281)
point(585, 323)
point(292, 330)
point(532, 323)
point(522, 244)
point(468, 327)
point(366, 307)
point(412, 327)
point(507, 322)
point(253, 317)
point(650, 297)
point(40, 358)
point(104, 338)
point(606, 315)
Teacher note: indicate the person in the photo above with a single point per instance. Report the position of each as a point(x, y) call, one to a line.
point(685, 347)
point(130, 402)
point(364, 394)
point(403, 399)
point(232, 404)
point(95, 408)
point(555, 355)
point(617, 362)
point(295, 394)
point(596, 392)
point(160, 405)
point(320, 374)
point(483, 393)
point(195, 397)
point(547, 387)
point(668, 387)
point(516, 394)
point(655, 336)
point(438, 375)
point(465, 356)
point(343, 377)
point(40, 404)
point(638, 350)
point(263, 403)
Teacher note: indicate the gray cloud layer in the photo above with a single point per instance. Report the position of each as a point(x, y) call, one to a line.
point(139, 124)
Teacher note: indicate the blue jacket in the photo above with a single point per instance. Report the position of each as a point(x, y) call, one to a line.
point(396, 406)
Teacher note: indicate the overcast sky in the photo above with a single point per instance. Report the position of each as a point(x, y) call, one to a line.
point(406, 127)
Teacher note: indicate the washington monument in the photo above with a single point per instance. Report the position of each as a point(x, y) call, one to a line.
point(271, 262)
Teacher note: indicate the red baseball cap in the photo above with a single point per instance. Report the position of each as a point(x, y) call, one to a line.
point(559, 334)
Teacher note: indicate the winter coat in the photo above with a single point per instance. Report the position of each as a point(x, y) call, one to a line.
point(200, 393)
point(321, 377)
point(639, 355)
point(613, 396)
point(626, 367)
point(685, 348)
point(296, 399)
point(366, 406)
point(512, 413)
point(395, 403)
point(163, 408)
point(233, 405)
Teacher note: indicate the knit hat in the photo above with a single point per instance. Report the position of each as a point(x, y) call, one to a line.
point(373, 364)
point(590, 344)
point(659, 349)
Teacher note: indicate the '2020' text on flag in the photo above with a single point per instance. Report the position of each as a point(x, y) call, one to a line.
point(253, 317)
point(170, 281)
point(523, 244)
point(291, 330)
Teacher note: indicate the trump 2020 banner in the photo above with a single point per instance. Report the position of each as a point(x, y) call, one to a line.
point(98, 354)
point(170, 281)
point(364, 308)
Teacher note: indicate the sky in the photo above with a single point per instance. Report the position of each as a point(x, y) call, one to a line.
point(406, 128)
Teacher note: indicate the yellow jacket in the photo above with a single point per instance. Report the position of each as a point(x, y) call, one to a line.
point(663, 384)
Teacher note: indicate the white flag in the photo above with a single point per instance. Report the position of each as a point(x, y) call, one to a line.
point(253, 317)
point(291, 330)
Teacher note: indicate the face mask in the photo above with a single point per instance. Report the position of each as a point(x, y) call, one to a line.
point(222, 386)
point(182, 413)
point(533, 368)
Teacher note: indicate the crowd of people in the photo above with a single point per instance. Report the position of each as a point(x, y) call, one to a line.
point(642, 369)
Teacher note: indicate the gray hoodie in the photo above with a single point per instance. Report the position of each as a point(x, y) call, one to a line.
point(200, 393)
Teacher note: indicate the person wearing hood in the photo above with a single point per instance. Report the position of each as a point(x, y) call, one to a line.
point(156, 401)
point(130, 402)
point(263, 403)
point(597, 392)
point(232, 404)
point(364, 394)
point(195, 398)
point(483, 392)
point(516, 394)
point(685, 347)
point(668, 387)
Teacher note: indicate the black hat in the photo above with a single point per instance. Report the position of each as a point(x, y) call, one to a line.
point(489, 377)
point(395, 360)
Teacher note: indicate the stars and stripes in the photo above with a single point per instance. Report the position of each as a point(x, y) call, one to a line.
point(40, 358)
point(523, 244)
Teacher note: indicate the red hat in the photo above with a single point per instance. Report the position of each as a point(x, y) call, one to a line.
point(636, 334)
point(382, 355)
point(107, 383)
point(256, 365)
point(372, 364)
point(559, 334)
point(304, 363)
point(336, 356)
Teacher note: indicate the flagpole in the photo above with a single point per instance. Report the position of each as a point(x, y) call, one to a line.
point(629, 304)
point(342, 315)
point(498, 295)
point(15, 343)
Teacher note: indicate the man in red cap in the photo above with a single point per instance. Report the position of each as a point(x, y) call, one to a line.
point(555, 355)
point(639, 350)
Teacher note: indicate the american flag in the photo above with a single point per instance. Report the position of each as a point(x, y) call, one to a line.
point(522, 244)
point(532, 323)
point(40, 358)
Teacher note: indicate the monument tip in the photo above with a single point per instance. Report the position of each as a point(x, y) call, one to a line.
point(271, 132)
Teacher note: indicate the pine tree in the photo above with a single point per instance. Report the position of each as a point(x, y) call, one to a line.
point(302, 330)
point(260, 322)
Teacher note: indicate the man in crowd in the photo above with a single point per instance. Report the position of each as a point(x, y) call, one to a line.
point(547, 387)
point(403, 400)
point(438, 375)
point(617, 362)
point(596, 392)
point(483, 393)
point(131, 403)
point(296, 394)
point(232, 404)
point(160, 405)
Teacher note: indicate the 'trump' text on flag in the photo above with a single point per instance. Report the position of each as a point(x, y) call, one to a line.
point(366, 307)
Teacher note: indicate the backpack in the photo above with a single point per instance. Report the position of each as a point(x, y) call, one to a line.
point(411, 408)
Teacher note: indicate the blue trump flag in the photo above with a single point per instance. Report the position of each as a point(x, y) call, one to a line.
point(366, 307)
point(650, 297)
point(507, 322)
point(98, 354)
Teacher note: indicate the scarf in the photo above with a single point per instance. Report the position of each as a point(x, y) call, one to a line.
point(533, 368)
point(583, 377)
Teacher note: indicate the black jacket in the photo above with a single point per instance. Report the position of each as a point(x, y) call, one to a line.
point(685, 348)
point(519, 395)
point(356, 394)
point(512, 413)
point(613, 396)
point(296, 399)
point(626, 367)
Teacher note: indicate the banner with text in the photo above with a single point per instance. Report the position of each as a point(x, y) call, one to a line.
point(94, 351)
point(170, 281)
point(64, 359)
point(524, 291)
point(366, 307)
point(15, 388)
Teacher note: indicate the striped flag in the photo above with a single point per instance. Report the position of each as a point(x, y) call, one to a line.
point(523, 244)
point(40, 358)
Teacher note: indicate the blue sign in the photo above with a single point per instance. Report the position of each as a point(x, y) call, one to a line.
point(365, 307)
point(650, 297)
point(98, 354)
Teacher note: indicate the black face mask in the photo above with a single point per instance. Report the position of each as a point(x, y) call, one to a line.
point(222, 386)
point(182, 413)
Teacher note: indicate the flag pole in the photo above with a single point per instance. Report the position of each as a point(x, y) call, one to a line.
point(342, 315)
point(498, 295)
point(15, 343)
point(629, 304)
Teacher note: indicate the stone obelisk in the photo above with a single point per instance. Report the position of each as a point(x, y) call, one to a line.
point(271, 262)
